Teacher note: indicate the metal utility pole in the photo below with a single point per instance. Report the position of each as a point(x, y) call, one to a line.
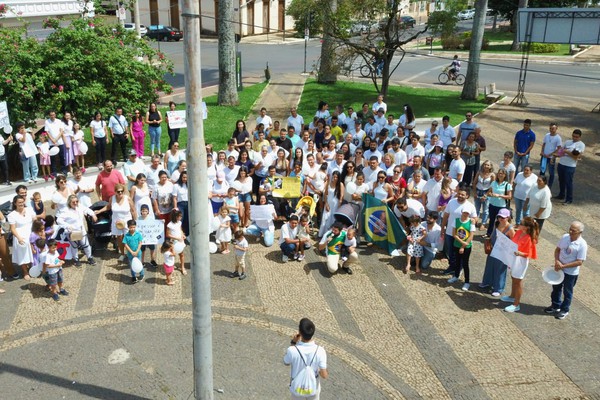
point(198, 195)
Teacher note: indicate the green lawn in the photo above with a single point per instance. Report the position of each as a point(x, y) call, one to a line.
point(425, 102)
point(218, 127)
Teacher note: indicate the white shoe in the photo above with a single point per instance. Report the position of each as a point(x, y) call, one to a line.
point(285, 258)
point(121, 258)
point(453, 279)
point(466, 286)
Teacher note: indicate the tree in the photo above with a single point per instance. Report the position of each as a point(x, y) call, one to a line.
point(86, 67)
point(470, 89)
point(327, 68)
point(228, 95)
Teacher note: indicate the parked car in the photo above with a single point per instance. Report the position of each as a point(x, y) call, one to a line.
point(130, 26)
point(362, 27)
point(466, 14)
point(406, 21)
point(165, 33)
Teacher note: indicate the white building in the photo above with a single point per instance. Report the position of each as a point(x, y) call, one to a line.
point(35, 11)
point(253, 16)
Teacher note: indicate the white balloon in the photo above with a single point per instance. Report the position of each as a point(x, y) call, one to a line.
point(179, 247)
point(35, 271)
point(83, 147)
point(54, 151)
point(8, 129)
point(212, 247)
point(215, 223)
point(136, 265)
point(351, 188)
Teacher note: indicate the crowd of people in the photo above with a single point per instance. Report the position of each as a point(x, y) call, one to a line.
point(425, 178)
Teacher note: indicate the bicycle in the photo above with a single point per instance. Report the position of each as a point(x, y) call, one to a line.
point(369, 69)
point(444, 77)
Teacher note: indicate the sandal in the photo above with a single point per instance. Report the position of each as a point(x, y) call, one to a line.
point(170, 283)
point(183, 271)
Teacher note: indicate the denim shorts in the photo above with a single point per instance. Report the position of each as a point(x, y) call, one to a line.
point(235, 218)
point(54, 279)
point(150, 247)
point(245, 197)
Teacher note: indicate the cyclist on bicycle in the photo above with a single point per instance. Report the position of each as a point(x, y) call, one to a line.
point(454, 68)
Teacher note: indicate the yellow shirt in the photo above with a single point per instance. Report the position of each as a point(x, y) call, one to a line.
point(257, 146)
point(337, 132)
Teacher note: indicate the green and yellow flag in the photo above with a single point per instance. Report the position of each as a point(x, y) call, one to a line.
point(381, 225)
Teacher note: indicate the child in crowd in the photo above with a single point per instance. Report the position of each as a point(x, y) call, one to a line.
point(169, 260)
point(445, 194)
point(415, 249)
point(463, 236)
point(145, 215)
point(232, 201)
point(304, 232)
point(40, 249)
point(132, 241)
point(78, 137)
point(241, 248)
point(49, 223)
point(52, 270)
point(38, 205)
point(44, 149)
point(223, 235)
point(37, 232)
point(176, 235)
point(349, 246)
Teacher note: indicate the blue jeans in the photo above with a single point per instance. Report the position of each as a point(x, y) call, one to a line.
point(428, 257)
point(494, 274)
point(289, 249)
point(57, 161)
point(565, 288)
point(254, 230)
point(155, 132)
point(130, 270)
point(550, 168)
point(185, 221)
point(482, 206)
point(30, 168)
point(450, 251)
point(520, 212)
point(565, 182)
point(520, 161)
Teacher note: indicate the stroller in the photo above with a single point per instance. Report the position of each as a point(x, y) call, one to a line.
point(309, 203)
point(100, 230)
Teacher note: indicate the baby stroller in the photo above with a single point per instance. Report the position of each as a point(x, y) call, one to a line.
point(100, 230)
point(347, 214)
point(306, 202)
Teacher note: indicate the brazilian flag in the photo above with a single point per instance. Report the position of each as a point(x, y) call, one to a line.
point(381, 225)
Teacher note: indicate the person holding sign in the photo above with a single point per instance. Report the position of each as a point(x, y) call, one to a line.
point(494, 274)
point(526, 238)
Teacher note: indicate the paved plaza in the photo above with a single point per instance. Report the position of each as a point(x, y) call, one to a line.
point(388, 335)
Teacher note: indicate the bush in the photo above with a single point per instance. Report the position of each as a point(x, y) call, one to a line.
point(467, 44)
point(451, 43)
point(544, 47)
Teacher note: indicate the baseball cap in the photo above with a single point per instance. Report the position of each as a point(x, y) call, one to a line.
point(504, 213)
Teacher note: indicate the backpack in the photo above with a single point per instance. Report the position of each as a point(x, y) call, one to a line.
point(304, 384)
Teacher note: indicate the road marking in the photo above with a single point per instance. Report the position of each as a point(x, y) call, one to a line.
point(421, 74)
point(119, 356)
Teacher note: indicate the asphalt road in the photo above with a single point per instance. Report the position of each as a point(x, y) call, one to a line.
point(579, 80)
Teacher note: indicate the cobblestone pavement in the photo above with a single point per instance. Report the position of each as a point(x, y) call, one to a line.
point(388, 335)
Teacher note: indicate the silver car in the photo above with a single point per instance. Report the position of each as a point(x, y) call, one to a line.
point(130, 26)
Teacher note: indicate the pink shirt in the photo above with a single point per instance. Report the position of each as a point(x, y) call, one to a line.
point(108, 182)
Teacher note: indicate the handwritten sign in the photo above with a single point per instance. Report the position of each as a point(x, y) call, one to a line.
point(152, 230)
point(504, 249)
point(176, 119)
point(262, 213)
point(287, 187)
point(4, 120)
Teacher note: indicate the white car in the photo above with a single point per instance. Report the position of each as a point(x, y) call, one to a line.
point(466, 14)
point(130, 26)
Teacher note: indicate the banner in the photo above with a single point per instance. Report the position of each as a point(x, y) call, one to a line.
point(176, 119)
point(152, 230)
point(381, 225)
point(504, 249)
point(287, 187)
point(262, 213)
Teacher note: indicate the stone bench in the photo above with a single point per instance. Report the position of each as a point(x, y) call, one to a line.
point(490, 93)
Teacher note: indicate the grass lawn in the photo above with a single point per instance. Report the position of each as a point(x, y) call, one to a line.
point(425, 102)
point(217, 127)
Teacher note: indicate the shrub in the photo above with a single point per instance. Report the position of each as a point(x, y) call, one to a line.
point(467, 43)
point(451, 43)
point(544, 47)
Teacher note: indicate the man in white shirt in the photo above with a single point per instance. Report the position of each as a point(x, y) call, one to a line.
point(390, 125)
point(573, 152)
point(119, 132)
point(132, 168)
point(348, 142)
point(457, 165)
point(379, 104)
point(296, 120)
point(398, 154)
point(373, 151)
point(372, 128)
point(337, 164)
point(153, 170)
point(372, 170)
point(446, 132)
point(431, 241)
point(264, 119)
point(432, 190)
point(304, 351)
point(453, 210)
point(82, 187)
point(310, 169)
point(380, 118)
point(350, 119)
point(289, 243)
point(550, 144)
point(28, 152)
point(358, 136)
point(54, 128)
point(406, 208)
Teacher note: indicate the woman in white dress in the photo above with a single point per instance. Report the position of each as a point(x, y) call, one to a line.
point(123, 210)
point(60, 196)
point(20, 220)
point(334, 194)
point(73, 220)
point(181, 201)
point(140, 193)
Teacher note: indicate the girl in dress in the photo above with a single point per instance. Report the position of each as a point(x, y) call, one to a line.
point(332, 199)
point(20, 220)
point(224, 231)
point(140, 193)
point(68, 140)
point(44, 149)
point(233, 203)
point(445, 194)
point(415, 249)
point(176, 235)
point(434, 158)
point(78, 136)
point(169, 260)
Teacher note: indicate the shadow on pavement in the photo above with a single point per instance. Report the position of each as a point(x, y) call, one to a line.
point(37, 290)
point(118, 277)
point(222, 272)
point(82, 388)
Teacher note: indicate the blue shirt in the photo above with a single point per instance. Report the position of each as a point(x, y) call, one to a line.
point(133, 241)
point(523, 140)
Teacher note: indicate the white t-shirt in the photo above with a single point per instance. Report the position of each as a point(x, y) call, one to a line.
point(296, 122)
point(54, 131)
point(433, 190)
point(28, 147)
point(571, 251)
point(446, 135)
point(414, 208)
point(53, 262)
point(454, 209)
point(372, 130)
point(377, 106)
point(523, 185)
point(570, 145)
point(399, 156)
point(456, 167)
point(540, 198)
point(287, 233)
point(308, 350)
point(550, 143)
point(350, 242)
point(97, 128)
point(266, 121)
point(169, 259)
point(433, 235)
